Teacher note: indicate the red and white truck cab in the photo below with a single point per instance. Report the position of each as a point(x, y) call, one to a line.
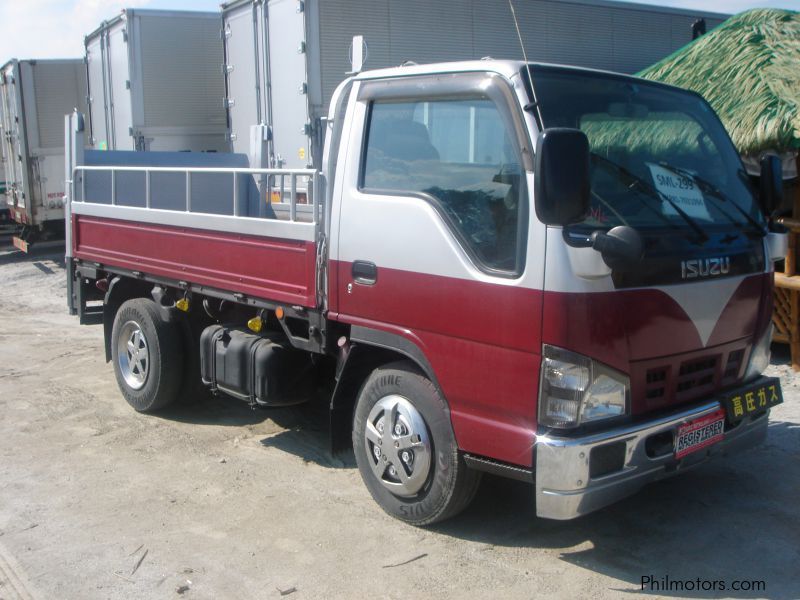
point(554, 274)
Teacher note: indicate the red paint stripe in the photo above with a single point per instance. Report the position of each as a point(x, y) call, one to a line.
point(617, 327)
point(635, 331)
point(498, 315)
point(482, 341)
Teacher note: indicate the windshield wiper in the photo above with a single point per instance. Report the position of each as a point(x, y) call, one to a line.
point(713, 191)
point(654, 192)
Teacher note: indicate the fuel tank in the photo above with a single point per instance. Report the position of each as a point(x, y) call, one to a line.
point(254, 368)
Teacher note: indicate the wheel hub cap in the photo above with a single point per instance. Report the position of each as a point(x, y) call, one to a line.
point(133, 355)
point(398, 445)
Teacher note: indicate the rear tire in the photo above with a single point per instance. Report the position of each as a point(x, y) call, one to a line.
point(146, 352)
point(406, 450)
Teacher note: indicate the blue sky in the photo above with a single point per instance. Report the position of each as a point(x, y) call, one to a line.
point(55, 28)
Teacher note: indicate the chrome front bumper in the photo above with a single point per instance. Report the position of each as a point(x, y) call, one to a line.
point(565, 488)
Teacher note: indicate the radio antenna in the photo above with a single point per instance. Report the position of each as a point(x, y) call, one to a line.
point(535, 103)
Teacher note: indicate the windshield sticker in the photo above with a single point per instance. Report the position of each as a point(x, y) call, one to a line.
point(598, 214)
point(682, 190)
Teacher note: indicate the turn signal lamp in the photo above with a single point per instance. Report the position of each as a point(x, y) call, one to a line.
point(255, 324)
point(279, 312)
point(182, 304)
point(759, 357)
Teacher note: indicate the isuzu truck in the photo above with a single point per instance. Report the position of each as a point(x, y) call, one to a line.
point(555, 274)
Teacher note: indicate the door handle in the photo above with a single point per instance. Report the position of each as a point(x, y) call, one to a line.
point(365, 272)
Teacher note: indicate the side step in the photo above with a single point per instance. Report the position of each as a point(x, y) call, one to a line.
point(488, 465)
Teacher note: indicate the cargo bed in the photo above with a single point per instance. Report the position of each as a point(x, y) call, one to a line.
point(201, 221)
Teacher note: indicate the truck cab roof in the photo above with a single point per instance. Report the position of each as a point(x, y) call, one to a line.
point(506, 68)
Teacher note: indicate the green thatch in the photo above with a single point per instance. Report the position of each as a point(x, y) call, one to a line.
point(748, 69)
point(671, 137)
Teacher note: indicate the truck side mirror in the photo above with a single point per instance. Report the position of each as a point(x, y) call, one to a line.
point(771, 184)
point(562, 176)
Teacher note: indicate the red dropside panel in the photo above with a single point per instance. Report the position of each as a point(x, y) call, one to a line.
point(268, 268)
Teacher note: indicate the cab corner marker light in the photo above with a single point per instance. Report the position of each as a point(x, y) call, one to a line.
point(255, 324)
point(182, 304)
point(279, 312)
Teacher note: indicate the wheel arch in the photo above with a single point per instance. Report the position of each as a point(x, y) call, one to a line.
point(367, 350)
point(119, 290)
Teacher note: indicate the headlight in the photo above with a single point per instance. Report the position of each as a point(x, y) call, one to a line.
point(759, 357)
point(576, 390)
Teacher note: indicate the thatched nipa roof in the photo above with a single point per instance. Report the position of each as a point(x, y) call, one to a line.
point(748, 69)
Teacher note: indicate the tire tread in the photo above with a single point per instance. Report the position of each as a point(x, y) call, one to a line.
point(163, 390)
point(462, 482)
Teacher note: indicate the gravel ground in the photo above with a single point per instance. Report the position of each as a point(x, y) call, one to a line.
point(218, 501)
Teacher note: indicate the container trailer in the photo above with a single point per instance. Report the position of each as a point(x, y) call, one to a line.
point(284, 58)
point(525, 269)
point(5, 212)
point(155, 82)
point(34, 97)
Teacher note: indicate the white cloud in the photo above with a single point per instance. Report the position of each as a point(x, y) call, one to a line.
point(53, 28)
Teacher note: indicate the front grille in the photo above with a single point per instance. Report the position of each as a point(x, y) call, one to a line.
point(733, 367)
point(696, 377)
point(656, 382)
point(659, 383)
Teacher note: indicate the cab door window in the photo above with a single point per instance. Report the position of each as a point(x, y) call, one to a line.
point(458, 155)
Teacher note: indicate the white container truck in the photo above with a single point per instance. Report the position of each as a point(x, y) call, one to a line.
point(284, 58)
point(5, 212)
point(34, 97)
point(155, 82)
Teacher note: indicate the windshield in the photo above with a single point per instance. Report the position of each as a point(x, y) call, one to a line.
point(660, 158)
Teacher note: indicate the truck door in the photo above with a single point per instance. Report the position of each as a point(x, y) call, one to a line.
point(244, 72)
point(16, 169)
point(436, 253)
point(98, 104)
point(288, 83)
point(118, 83)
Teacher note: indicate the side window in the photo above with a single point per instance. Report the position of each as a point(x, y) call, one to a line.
point(460, 156)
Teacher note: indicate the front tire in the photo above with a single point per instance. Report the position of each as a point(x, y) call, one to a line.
point(406, 450)
point(146, 352)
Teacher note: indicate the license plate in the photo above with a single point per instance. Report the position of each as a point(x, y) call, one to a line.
point(700, 433)
point(753, 399)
